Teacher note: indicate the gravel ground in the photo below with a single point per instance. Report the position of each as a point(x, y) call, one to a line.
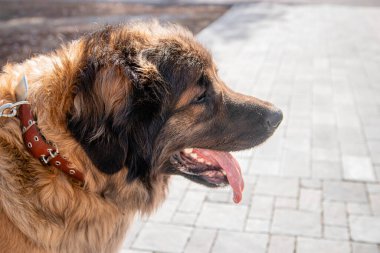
point(33, 27)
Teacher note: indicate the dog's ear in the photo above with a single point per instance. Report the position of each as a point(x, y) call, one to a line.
point(108, 152)
point(95, 119)
point(115, 107)
point(21, 89)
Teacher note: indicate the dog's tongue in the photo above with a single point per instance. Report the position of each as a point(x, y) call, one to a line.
point(229, 164)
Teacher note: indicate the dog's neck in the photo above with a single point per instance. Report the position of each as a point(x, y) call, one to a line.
point(51, 80)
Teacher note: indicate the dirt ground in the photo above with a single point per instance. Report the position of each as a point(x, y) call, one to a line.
point(32, 27)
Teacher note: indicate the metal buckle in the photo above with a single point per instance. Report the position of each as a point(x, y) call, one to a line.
point(52, 154)
point(7, 107)
point(9, 110)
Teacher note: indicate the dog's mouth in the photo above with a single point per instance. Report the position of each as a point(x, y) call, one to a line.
point(211, 168)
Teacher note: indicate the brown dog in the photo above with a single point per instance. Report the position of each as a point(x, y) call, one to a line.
point(127, 107)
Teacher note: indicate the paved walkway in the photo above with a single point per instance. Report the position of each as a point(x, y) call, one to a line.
point(314, 187)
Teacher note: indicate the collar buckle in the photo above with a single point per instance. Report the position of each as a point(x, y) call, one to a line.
point(9, 110)
point(52, 154)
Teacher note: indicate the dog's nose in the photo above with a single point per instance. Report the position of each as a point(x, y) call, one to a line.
point(274, 118)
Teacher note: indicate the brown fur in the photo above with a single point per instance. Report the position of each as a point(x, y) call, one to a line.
point(41, 210)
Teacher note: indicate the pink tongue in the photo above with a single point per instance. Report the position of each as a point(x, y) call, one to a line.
point(229, 164)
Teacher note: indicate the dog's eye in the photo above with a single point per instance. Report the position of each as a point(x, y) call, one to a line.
point(201, 99)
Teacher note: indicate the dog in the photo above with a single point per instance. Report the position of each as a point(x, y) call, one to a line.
point(123, 109)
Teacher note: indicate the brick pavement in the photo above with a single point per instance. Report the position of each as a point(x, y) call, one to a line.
point(314, 186)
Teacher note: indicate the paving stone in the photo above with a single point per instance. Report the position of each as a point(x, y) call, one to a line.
point(192, 201)
point(298, 131)
point(354, 148)
point(262, 207)
point(334, 213)
point(365, 228)
point(358, 208)
point(311, 183)
point(350, 135)
point(365, 248)
point(375, 203)
point(271, 150)
point(230, 217)
point(326, 170)
point(281, 244)
point(282, 202)
point(293, 222)
point(165, 212)
point(177, 188)
point(372, 132)
point(298, 123)
point(325, 154)
point(162, 237)
point(358, 168)
point(265, 167)
point(377, 171)
point(348, 120)
point(344, 191)
point(184, 218)
point(308, 245)
point(201, 241)
point(370, 121)
point(250, 180)
point(374, 150)
point(373, 188)
point(324, 136)
point(248, 190)
point(277, 186)
point(296, 164)
point(310, 200)
point(256, 225)
point(216, 196)
point(244, 163)
point(322, 117)
point(297, 143)
point(336, 233)
point(227, 242)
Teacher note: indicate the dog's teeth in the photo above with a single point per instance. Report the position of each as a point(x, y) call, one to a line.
point(224, 173)
point(208, 163)
point(188, 150)
point(193, 155)
point(201, 160)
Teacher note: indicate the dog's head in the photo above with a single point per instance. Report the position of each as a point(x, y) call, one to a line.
point(148, 99)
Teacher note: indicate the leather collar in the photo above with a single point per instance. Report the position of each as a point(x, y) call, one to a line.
point(39, 147)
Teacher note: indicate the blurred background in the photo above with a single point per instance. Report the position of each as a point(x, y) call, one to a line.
point(314, 187)
point(30, 27)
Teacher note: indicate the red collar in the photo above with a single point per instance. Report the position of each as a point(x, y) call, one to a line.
point(37, 145)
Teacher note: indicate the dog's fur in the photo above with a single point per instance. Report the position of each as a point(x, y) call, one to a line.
point(117, 103)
